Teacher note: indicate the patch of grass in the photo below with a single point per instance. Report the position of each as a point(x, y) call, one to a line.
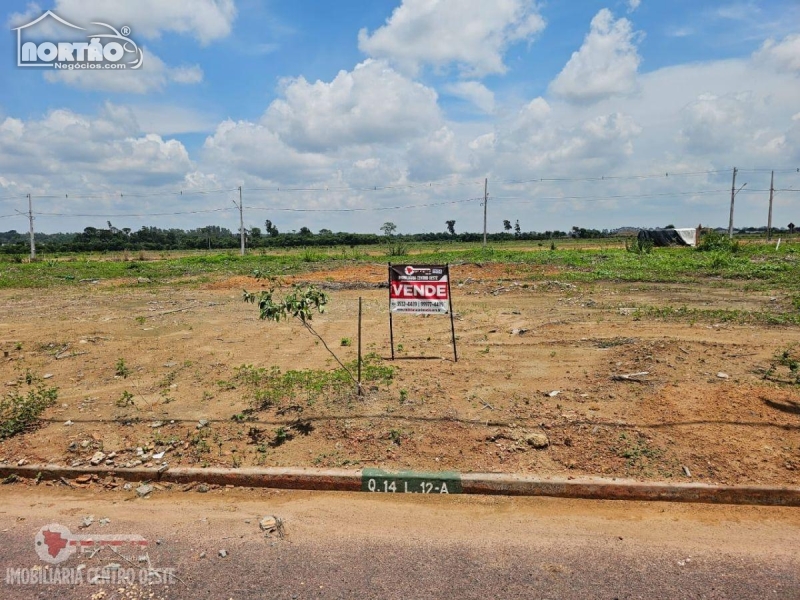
point(612, 342)
point(736, 317)
point(19, 412)
point(346, 341)
point(637, 452)
point(753, 261)
point(271, 387)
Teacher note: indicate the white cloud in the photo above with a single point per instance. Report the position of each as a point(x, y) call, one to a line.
point(784, 55)
point(154, 75)
point(370, 104)
point(172, 119)
point(32, 11)
point(207, 20)
point(633, 5)
point(65, 150)
point(255, 150)
point(474, 92)
point(469, 34)
point(435, 155)
point(606, 64)
point(187, 75)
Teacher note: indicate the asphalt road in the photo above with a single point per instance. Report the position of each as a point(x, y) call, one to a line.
point(340, 545)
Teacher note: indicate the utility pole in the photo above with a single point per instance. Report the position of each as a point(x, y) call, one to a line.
point(30, 218)
point(733, 195)
point(769, 215)
point(241, 219)
point(485, 200)
point(734, 191)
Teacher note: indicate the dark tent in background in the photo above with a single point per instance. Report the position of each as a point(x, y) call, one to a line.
point(669, 237)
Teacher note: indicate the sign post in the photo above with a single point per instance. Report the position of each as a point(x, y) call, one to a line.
point(420, 290)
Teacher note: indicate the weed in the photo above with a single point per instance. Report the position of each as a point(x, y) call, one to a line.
point(398, 248)
point(141, 320)
point(346, 341)
point(403, 396)
point(789, 358)
point(638, 246)
point(121, 369)
point(20, 412)
point(282, 435)
point(125, 399)
point(713, 241)
point(271, 387)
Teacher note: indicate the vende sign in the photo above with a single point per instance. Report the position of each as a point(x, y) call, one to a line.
point(419, 289)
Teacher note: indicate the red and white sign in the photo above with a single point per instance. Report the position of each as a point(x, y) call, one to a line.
point(419, 289)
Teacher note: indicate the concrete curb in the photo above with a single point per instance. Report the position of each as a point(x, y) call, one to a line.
point(471, 483)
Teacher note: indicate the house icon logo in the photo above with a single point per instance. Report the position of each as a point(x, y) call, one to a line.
point(107, 48)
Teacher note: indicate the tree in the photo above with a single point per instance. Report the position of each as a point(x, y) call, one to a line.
point(300, 304)
point(305, 231)
point(517, 230)
point(255, 233)
point(791, 227)
point(325, 232)
point(451, 226)
point(272, 231)
point(388, 228)
point(506, 224)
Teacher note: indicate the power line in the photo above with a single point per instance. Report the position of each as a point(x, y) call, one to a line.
point(365, 209)
point(162, 214)
point(124, 195)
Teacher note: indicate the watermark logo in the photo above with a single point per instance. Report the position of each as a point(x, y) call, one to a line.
point(54, 544)
point(108, 48)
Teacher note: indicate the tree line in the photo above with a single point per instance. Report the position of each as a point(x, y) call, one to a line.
point(94, 239)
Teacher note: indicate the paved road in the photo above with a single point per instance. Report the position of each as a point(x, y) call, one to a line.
point(341, 545)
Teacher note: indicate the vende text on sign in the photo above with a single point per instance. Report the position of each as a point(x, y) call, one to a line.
point(419, 289)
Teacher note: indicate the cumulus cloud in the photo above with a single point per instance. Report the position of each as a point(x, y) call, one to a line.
point(784, 55)
point(605, 65)
point(64, 149)
point(373, 103)
point(469, 34)
point(154, 75)
point(255, 150)
point(633, 5)
point(473, 92)
point(206, 20)
point(434, 155)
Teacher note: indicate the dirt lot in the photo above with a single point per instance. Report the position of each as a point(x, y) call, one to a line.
point(535, 357)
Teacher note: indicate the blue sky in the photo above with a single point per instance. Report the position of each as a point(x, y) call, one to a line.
point(421, 99)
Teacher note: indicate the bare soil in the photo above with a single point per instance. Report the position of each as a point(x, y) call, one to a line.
point(534, 357)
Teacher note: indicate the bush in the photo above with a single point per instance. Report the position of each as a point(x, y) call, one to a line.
point(20, 412)
point(712, 241)
point(639, 246)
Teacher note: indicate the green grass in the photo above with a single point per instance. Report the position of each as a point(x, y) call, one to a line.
point(736, 317)
point(576, 260)
point(268, 388)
